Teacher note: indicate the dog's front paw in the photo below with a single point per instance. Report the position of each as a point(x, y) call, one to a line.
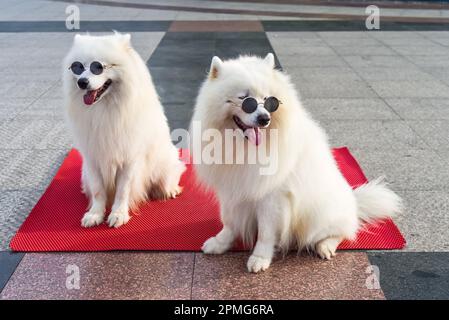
point(327, 248)
point(212, 246)
point(118, 218)
point(92, 218)
point(174, 193)
point(256, 263)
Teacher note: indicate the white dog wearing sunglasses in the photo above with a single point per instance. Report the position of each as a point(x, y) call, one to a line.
point(306, 202)
point(119, 127)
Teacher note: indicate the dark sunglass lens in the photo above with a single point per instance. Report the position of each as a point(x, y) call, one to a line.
point(271, 104)
point(96, 68)
point(77, 68)
point(249, 105)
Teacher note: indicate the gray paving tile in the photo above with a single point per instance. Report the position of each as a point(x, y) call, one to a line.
point(443, 40)
point(309, 61)
point(306, 74)
point(29, 169)
point(54, 92)
point(425, 220)
point(405, 38)
point(410, 73)
point(295, 39)
point(10, 107)
point(372, 134)
point(361, 49)
point(328, 82)
point(420, 109)
point(357, 61)
point(336, 87)
point(405, 169)
point(38, 133)
point(353, 42)
point(433, 35)
point(146, 42)
point(306, 50)
point(349, 109)
point(440, 61)
point(441, 73)
point(344, 35)
point(413, 275)
point(429, 50)
point(28, 89)
point(15, 206)
point(301, 44)
point(297, 49)
point(434, 132)
point(13, 74)
point(410, 89)
point(44, 109)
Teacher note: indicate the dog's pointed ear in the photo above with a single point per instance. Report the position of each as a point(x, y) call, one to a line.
point(269, 59)
point(124, 38)
point(77, 37)
point(215, 67)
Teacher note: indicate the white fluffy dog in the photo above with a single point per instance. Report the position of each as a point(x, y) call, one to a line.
point(307, 203)
point(119, 127)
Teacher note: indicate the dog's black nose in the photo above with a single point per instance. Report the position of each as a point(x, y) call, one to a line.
point(83, 83)
point(263, 120)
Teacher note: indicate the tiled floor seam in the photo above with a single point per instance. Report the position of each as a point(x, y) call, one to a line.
point(436, 150)
point(382, 98)
point(435, 42)
point(30, 104)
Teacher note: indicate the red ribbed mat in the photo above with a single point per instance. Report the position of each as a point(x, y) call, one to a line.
point(184, 223)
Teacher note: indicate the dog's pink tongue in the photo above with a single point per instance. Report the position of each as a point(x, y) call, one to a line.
point(90, 96)
point(254, 135)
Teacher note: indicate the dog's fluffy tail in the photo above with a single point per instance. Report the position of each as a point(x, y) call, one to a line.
point(376, 201)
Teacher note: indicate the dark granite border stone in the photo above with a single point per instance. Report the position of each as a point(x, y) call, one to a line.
point(413, 275)
point(8, 264)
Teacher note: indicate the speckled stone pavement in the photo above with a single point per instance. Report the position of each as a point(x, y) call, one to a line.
point(384, 94)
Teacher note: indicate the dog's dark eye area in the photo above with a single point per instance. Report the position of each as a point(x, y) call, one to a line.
point(77, 68)
point(228, 101)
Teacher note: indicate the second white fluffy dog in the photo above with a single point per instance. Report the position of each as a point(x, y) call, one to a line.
point(119, 128)
point(307, 203)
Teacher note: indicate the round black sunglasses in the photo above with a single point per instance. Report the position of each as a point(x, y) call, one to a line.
point(95, 67)
point(249, 104)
